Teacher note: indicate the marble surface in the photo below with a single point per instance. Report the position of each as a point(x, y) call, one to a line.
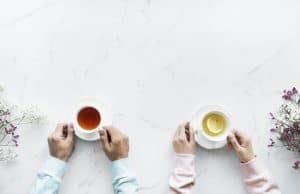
point(154, 62)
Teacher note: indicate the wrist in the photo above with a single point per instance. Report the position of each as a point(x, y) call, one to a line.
point(192, 152)
point(247, 158)
point(119, 158)
point(61, 157)
point(185, 155)
point(113, 157)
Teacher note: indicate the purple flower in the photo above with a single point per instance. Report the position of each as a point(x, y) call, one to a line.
point(295, 91)
point(273, 130)
point(271, 115)
point(16, 136)
point(296, 165)
point(271, 143)
point(288, 94)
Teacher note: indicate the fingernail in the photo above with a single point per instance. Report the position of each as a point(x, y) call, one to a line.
point(103, 127)
point(101, 132)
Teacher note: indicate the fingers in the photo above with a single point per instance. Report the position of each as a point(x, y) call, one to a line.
point(189, 133)
point(112, 131)
point(177, 132)
point(234, 142)
point(60, 131)
point(70, 133)
point(241, 137)
point(104, 139)
point(185, 132)
point(115, 136)
point(59, 128)
point(182, 135)
point(228, 143)
point(192, 135)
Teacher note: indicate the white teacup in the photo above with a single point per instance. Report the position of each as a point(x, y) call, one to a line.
point(202, 138)
point(91, 134)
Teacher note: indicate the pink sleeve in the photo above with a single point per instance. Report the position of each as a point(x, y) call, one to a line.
point(183, 176)
point(257, 179)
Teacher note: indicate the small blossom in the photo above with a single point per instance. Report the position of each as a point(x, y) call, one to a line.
point(296, 165)
point(295, 91)
point(273, 130)
point(16, 136)
point(271, 115)
point(271, 143)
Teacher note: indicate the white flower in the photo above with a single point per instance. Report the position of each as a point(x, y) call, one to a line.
point(32, 114)
point(7, 154)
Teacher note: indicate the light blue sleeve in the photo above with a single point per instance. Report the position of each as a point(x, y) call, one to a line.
point(124, 182)
point(49, 178)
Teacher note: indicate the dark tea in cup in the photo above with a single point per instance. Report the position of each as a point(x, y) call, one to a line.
point(88, 118)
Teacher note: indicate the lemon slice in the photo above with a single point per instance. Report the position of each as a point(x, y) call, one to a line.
point(214, 124)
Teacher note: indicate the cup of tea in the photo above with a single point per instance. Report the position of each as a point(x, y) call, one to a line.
point(212, 124)
point(88, 119)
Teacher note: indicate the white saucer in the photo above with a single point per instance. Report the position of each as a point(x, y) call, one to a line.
point(94, 137)
point(195, 123)
point(106, 119)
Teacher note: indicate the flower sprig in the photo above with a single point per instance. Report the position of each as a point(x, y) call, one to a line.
point(11, 118)
point(287, 123)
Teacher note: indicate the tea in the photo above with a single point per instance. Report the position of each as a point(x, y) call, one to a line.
point(88, 118)
point(214, 124)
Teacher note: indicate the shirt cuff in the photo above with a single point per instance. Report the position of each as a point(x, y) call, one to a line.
point(251, 168)
point(119, 167)
point(55, 167)
point(185, 162)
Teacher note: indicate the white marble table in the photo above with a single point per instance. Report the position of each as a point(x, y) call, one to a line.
point(154, 62)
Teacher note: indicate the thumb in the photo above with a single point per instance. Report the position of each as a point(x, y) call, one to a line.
point(234, 143)
point(104, 139)
point(70, 133)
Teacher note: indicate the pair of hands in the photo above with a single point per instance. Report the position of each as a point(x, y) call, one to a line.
point(184, 143)
point(116, 145)
point(62, 142)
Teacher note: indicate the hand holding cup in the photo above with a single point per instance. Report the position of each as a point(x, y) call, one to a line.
point(242, 146)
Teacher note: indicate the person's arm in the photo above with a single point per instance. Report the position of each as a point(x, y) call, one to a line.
point(115, 144)
point(183, 176)
point(61, 145)
point(257, 179)
point(49, 178)
point(123, 180)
